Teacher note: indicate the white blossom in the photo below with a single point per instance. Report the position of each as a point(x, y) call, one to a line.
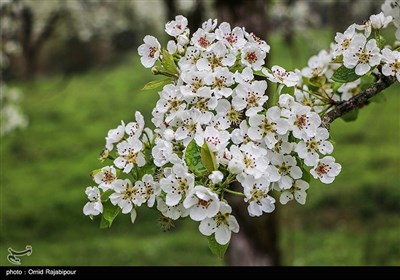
point(391, 66)
point(149, 51)
point(256, 192)
point(202, 203)
point(94, 207)
point(105, 177)
point(297, 191)
point(222, 224)
point(326, 170)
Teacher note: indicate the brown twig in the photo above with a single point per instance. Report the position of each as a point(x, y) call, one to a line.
point(358, 100)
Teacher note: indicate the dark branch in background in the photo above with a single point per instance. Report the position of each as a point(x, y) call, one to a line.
point(357, 101)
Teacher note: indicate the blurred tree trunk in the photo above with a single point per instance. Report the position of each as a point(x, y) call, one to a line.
point(257, 241)
point(340, 15)
point(170, 9)
point(31, 46)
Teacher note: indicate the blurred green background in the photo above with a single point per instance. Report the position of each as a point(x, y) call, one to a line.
point(46, 167)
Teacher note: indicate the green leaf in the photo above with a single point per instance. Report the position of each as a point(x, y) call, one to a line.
point(157, 84)
point(350, 116)
point(105, 195)
point(149, 168)
point(306, 175)
point(168, 62)
point(110, 211)
point(273, 97)
point(259, 73)
point(336, 86)
point(208, 158)
point(216, 248)
point(344, 75)
point(193, 159)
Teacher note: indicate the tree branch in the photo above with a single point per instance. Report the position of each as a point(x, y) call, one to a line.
point(358, 100)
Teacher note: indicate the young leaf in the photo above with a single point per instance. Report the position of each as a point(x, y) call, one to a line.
point(216, 248)
point(208, 158)
point(105, 195)
point(168, 62)
point(350, 116)
point(110, 211)
point(344, 75)
point(193, 159)
point(157, 84)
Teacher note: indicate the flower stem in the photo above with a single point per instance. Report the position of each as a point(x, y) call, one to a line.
point(233, 192)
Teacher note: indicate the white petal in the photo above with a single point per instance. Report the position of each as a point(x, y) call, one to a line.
point(223, 235)
point(207, 226)
point(285, 197)
point(133, 215)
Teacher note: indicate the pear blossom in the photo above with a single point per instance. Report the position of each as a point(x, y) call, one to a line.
point(149, 51)
point(250, 96)
point(343, 40)
point(256, 192)
point(149, 188)
point(391, 66)
point(220, 81)
point(227, 115)
point(114, 136)
point(216, 140)
point(94, 207)
point(190, 127)
point(222, 224)
point(176, 27)
point(177, 185)
point(170, 102)
point(326, 170)
point(253, 57)
point(380, 21)
point(105, 177)
point(240, 135)
point(392, 8)
point(303, 122)
point(362, 55)
point(202, 203)
point(280, 75)
point(173, 212)
point(297, 191)
point(217, 56)
point(189, 60)
point(232, 38)
point(126, 195)
point(283, 171)
point(216, 177)
point(194, 80)
point(348, 90)
point(129, 154)
point(255, 40)
point(267, 128)
point(163, 153)
point(135, 129)
point(246, 76)
point(202, 40)
point(309, 149)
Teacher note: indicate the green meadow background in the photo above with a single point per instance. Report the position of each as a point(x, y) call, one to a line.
point(46, 168)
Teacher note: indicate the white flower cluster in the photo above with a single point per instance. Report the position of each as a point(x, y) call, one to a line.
point(215, 125)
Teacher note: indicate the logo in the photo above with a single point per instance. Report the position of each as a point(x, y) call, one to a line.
point(13, 256)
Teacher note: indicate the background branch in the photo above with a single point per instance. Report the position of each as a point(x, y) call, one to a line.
point(358, 100)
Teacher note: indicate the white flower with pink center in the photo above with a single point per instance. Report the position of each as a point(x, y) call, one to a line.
point(234, 39)
point(240, 135)
point(252, 56)
point(126, 195)
point(250, 97)
point(303, 122)
point(202, 203)
point(105, 177)
point(176, 27)
point(202, 40)
point(194, 80)
point(326, 170)
point(149, 51)
point(216, 140)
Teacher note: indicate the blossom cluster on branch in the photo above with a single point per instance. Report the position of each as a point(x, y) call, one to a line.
point(216, 124)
